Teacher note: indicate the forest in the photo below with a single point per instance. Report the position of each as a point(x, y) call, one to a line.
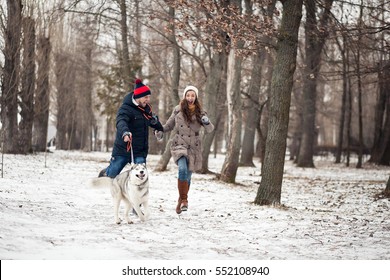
point(288, 79)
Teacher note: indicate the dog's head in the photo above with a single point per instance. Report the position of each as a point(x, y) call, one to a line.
point(139, 173)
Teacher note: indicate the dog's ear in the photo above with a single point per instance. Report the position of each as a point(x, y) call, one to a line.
point(132, 165)
point(144, 164)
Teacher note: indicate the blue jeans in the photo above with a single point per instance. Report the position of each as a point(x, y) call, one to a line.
point(117, 163)
point(184, 173)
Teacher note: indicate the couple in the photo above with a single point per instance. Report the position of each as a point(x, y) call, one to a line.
point(132, 122)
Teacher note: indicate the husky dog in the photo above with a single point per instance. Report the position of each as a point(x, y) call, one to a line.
point(133, 187)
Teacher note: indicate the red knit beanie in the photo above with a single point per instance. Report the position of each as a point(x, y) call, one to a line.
point(140, 90)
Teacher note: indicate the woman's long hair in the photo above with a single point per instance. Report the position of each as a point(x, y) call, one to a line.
point(187, 112)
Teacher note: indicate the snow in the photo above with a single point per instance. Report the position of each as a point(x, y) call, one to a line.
point(329, 213)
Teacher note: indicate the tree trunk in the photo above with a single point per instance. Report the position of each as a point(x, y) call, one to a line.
point(66, 103)
point(381, 149)
point(212, 99)
point(28, 87)
point(252, 112)
point(359, 80)
point(138, 59)
point(42, 100)
point(10, 79)
point(230, 165)
point(342, 48)
point(233, 90)
point(387, 189)
point(127, 76)
point(253, 108)
point(166, 156)
point(87, 95)
point(315, 39)
point(349, 116)
point(269, 191)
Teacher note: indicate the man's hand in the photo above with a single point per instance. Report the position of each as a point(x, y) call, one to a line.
point(127, 137)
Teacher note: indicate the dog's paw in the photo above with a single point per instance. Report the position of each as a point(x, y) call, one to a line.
point(130, 222)
point(118, 221)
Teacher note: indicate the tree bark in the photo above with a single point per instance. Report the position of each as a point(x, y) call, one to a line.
point(128, 78)
point(342, 48)
point(252, 112)
point(166, 156)
point(87, 95)
point(66, 102)
point(387, 189)
point(381, 149)
point(230, 165)
point(315, 36)
point(253, 109)
point(10, 83)
point(28, 87)
point(269, 191)
point(42, 100)
point(359, 81)
point(215, 87)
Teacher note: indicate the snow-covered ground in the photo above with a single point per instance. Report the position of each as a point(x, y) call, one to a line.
point(330, 213)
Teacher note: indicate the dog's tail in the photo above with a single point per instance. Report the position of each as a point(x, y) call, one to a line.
point(101, 182)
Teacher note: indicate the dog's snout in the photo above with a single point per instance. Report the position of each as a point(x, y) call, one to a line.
point(142, 172)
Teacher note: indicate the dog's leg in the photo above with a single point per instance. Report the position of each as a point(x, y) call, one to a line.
point(146, 209)
point(117, 202)
point(128, 208)
point(140, 214)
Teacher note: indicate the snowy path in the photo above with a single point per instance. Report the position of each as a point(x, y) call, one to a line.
point(330, 213)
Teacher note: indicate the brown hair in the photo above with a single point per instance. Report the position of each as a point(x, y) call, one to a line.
point(187, 112)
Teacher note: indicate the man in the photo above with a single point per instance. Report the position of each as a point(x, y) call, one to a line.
point(132, 130)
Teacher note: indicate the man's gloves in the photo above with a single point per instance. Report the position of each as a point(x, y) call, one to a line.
point(205, 120)
point(159, 135)
point(127, 136)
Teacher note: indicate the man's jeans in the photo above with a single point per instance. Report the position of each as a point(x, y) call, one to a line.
point(184, 173)
point(117, 163)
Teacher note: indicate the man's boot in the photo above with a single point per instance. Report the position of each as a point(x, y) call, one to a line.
point(182, 203)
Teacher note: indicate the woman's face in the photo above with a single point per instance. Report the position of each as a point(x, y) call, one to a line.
point(190, 97)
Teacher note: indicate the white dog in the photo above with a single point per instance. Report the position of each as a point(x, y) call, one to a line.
point(133, 187)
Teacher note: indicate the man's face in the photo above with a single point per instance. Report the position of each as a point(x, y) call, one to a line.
point(143, 101)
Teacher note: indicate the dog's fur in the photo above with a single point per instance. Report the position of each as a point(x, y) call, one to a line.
point(132, 186)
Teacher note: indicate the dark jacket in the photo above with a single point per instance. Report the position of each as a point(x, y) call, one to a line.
point(131, 118)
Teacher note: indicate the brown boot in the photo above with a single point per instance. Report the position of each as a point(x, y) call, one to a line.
point(182, 203)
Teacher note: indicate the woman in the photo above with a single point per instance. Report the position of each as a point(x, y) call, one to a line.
point(188, 118)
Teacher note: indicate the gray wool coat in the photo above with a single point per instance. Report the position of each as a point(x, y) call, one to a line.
point(187, 141)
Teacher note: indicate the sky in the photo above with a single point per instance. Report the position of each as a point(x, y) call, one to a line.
point(330, 213)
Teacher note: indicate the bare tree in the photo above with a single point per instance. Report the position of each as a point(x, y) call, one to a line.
point(11, 73)
point(253, 106)
point(28, 86)
point(214, 101)
point(166, 156)
point(128, 76)
point(315, 36)
point(230, 165)
point(381, 149)
point(42, 101)
point(269, 192)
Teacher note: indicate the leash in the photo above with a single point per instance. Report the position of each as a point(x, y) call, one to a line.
point(129, 148)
